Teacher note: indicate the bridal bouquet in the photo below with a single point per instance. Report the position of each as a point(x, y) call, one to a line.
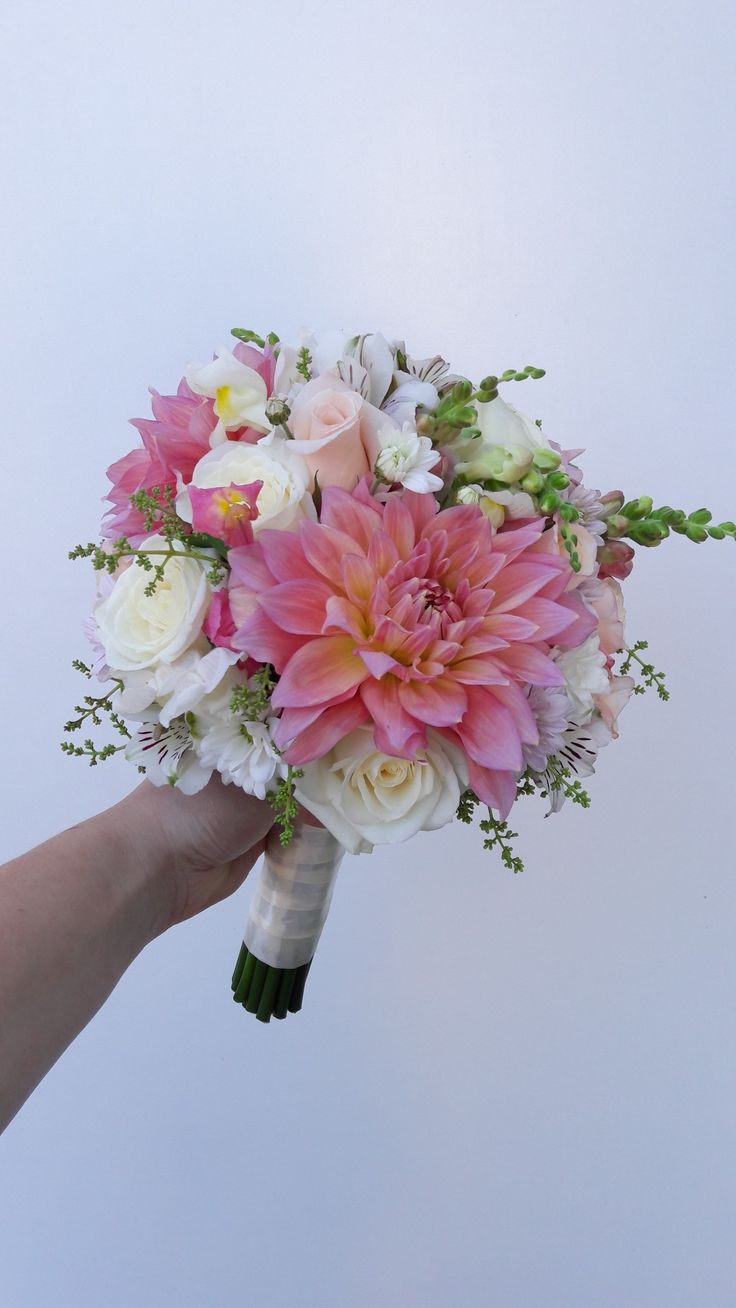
point(366, 590)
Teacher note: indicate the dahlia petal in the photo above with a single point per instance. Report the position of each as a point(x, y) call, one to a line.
point(283, 556)
point(551, 618)
point(439, 703)
point(510, 626)
point(515, 700)
point(264, 641)
point(377, 662)
point(346, 616)
point(584, 622)
point(382, 553)
point(479, 671)
point(495, 787)
point(358, 577)
point(248, 567)
point(330, 727)
point(517, 583)
point(527, 663)
point(346, 513)
point(325, 547)
point(399, 524)
point(319, 672)
point(396, 731)
point(297, 606)
point(489, 733)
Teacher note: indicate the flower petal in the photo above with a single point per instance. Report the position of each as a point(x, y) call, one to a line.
point(320, 672)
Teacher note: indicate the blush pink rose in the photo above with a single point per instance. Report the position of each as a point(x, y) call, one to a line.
point(336, 432)
point(613, 701)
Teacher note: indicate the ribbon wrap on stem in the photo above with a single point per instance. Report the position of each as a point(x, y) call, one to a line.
point(292, 898)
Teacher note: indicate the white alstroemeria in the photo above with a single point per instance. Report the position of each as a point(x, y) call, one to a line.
point(239, 393)
point(242, 752)
point(168, 756)
point(585, 673)
point(498, 505)
point(283, 499)
point(137, 630)
point(577, 753)
point(366, 798)
point(406, 459)
point(375, 356)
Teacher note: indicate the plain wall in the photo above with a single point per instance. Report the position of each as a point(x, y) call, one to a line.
point(518, 1091)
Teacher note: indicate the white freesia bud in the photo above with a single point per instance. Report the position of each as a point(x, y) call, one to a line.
point(282, 500)
point(239, 392)
point(137, 630)
point(366, 798)
point(501, 424)
point(406, 459)
point(506, 463)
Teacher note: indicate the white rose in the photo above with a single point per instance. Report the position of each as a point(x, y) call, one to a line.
point(138, 630)
point(282, 500)
point(367, 798)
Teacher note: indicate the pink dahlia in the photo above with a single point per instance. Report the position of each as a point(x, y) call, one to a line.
point(400, 615)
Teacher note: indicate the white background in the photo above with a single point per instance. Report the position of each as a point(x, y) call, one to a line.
point(520, 1090)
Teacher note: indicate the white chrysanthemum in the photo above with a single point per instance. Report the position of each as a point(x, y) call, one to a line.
point(406, 459)
point(584, 670)
point(167, 755)
point(242, 752)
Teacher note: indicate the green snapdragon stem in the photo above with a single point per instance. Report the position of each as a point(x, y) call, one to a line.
point(267, 991)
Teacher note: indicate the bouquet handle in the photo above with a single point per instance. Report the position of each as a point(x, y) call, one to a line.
point(287, 913)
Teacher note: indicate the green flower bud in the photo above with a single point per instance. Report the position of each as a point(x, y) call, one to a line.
point(462, 390)
point(489, 383)
point(701, 516)
point(546, 460)
point(533, 482)
point(558, 480)
point(549, 503)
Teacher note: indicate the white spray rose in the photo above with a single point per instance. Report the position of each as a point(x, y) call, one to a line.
point(138, 630)
point(366, 798)
point(282, 501)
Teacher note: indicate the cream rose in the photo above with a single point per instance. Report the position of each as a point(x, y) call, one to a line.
point(336, 432)
point(282, 500)
point(138, 630)
point(366, 798)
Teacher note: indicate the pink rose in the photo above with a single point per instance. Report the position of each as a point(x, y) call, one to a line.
point(613, 701)
point(605, 597)
point(336, 432)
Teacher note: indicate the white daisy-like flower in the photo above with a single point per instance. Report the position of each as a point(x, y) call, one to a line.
point(406, 459)
point(585, 673)
point(168, 756)
point(242, 752)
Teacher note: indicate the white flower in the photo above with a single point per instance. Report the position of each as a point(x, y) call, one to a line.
point(498, 505)
point(282, 500)
point(242, 752)
point(552, 709)
point(406, 458)
point(501, 424)
point(577, 753)
point(138, 630)
point(239, 392)
point(196, 682)
point(366, 798)
point(167, 755)
point(585, 673)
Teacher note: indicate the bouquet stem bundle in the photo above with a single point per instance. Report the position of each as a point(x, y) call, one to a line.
point(287, 914)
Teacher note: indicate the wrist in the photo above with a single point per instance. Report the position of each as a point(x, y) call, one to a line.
point(139, 864)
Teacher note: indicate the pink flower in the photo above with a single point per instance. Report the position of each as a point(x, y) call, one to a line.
point(261, 361)
point(225, 511)
point(400, 615)
point(336, 432)
point(615, 559)
point(219, 625)
point(605, 597)
point(613, 701)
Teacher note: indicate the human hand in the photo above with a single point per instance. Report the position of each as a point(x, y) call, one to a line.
point(199, 848)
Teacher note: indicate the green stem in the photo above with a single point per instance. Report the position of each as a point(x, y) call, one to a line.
point(297, 994)
point(268, 994)
point(256, 987)
point(281, 1006)
point(239, 965)
point(243, 987)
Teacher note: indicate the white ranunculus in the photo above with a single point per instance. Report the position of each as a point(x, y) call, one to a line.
point(283, 499)
point(138, 630)
point(366, 798)
point(239, 392)
point(585, 673)
point(501, 424)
